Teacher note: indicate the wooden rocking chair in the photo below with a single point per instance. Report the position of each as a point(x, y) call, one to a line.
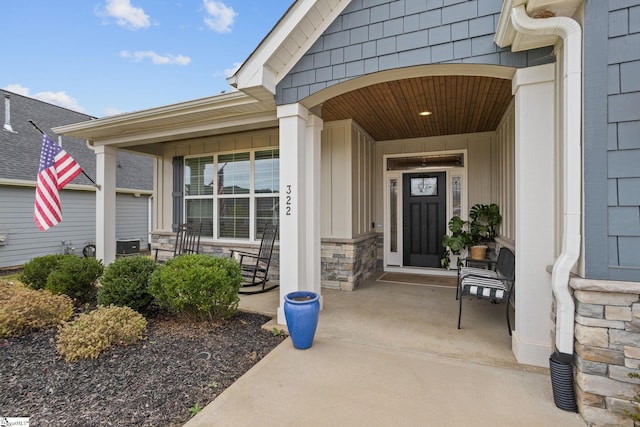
point(187, 240)
point(255, 267)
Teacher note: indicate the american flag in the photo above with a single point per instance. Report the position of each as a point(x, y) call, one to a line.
point(57, 169)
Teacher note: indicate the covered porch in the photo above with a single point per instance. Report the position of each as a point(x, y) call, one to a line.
point(329, 180)
point(390, 354)
point(411, 317)
point(331, 192)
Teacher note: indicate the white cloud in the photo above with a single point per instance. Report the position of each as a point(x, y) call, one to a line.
point(61, 98)
point(126, 15)
point(166, 59)
point(220, 17)
point(228, 72)
point(111, 111)
point(17, 88)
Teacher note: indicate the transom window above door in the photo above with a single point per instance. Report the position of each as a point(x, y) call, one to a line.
point(435, 161)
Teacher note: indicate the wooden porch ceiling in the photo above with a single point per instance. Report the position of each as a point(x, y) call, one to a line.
point(389, 110)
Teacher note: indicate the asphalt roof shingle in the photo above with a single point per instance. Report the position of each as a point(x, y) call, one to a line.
point(20, 149)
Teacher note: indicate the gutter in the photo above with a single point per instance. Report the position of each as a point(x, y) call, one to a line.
point(76, 187)
point(571, 33)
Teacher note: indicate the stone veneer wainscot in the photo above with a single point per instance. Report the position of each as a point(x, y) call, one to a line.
point(348, 262)
point(166, 240)
point(345, 262)
point(607, 349)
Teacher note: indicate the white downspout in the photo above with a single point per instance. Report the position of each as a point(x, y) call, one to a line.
point(570, 32)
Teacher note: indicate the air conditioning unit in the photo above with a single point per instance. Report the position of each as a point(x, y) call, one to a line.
point(127, 246)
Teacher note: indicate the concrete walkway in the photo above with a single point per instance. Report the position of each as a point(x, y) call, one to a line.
point(391, 355)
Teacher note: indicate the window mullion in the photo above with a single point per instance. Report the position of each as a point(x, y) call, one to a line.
point(252, 201)
point(216, 226)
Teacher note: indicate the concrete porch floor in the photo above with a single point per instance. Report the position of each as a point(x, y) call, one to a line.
point(390, 354)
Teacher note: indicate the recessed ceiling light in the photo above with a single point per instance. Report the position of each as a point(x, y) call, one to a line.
point(425, 113)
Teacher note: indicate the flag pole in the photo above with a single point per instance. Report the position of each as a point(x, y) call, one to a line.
point(85, 174)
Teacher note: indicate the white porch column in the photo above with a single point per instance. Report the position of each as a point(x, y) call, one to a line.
point(299, 202)
point(313, 237)
point(535, 192)
point(106, 203)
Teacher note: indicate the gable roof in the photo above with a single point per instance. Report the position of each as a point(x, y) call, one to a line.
point(20, 147)
point(293, 35)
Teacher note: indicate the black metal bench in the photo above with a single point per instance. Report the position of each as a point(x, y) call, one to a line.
point(498, 285)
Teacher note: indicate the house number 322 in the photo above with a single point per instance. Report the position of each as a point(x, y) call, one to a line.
point(287, 203)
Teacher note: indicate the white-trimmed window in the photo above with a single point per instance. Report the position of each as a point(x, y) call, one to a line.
point(245, 198)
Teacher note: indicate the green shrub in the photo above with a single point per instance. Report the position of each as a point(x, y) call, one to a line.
point(91, 334)
point(635, 415)
point(198, 286)
point(25, 310)
point(125, 283)
point(75, 277)
point(37, 270)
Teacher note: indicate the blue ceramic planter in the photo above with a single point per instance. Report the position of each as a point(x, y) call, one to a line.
point(301, 309)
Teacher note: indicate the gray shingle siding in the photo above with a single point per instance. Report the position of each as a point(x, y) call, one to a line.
point(611, 141)
point(377, 35)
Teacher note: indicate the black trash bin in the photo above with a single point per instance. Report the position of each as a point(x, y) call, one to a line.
point(561, 365)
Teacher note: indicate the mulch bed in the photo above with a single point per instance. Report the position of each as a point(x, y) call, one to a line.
point(154, 382)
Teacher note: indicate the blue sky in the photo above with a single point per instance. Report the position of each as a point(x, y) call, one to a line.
point(104, 57)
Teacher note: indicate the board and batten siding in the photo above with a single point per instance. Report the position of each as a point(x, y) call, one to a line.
point(503, 173)
point(347, 195)
point(363, 195)
point(25, 241)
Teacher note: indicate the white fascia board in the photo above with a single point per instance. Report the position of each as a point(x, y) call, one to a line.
point(327, 19)
point(505, 33)
point(256, 70)
point(219, 126)
point(251, 71)
point(177, 114)
point(214, 102)
point(263, 80)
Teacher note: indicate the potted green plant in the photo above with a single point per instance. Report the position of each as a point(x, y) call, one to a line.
point(455, 242)
point(474, 235)
point(484, 222)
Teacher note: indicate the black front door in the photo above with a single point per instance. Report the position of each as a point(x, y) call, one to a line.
point(424, 218)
